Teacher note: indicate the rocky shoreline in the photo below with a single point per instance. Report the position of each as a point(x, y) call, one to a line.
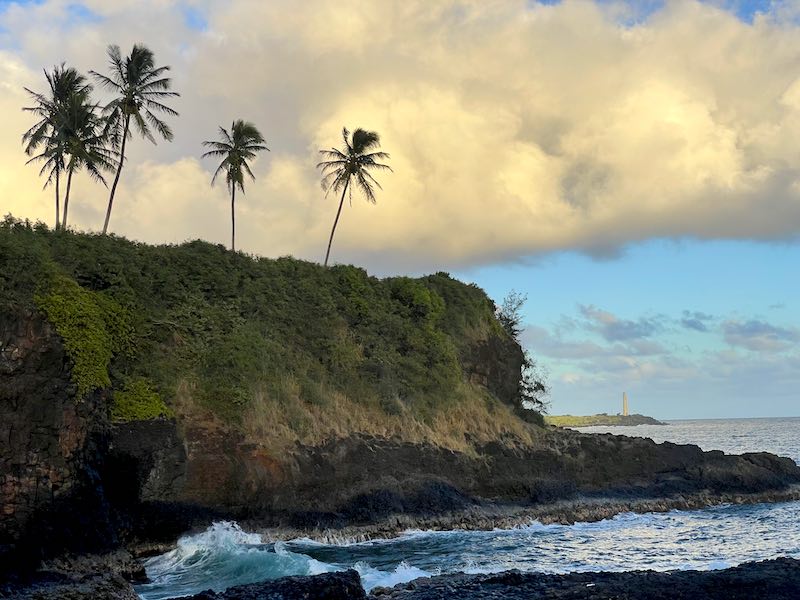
point(776, 579)
point(508, 516)
point(111, 576)
point(72, 483)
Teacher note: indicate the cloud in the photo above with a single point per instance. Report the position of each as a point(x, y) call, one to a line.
point(696, 320)
point(760, 336)
point(514, 128)
point(665, 373)
point(613, 329)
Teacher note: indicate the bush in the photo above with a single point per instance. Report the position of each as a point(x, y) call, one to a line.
point(138, 402)
point(229, 325)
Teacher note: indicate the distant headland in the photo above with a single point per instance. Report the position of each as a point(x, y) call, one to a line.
point(602, 420)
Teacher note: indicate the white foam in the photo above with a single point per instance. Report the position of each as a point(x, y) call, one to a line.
point(372, 578)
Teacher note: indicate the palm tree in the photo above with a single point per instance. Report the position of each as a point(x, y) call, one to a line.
point(348, 168)
point(238, 145)
point(140, 86)
point(49, 132)
point(84, 137)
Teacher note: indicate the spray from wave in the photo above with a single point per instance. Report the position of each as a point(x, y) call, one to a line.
point(224, 556)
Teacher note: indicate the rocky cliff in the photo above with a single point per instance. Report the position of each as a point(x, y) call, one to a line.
point(144, 390)
point(73, 480)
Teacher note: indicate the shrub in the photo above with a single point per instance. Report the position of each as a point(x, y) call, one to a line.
point(137, 401)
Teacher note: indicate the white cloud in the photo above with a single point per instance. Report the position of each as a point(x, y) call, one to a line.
point(513, 129)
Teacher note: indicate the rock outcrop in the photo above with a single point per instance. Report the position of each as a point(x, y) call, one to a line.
point(50, 448)
point(345, 585)
point(768, 580)
point(71, 481)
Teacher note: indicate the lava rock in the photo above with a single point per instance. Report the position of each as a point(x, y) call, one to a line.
point(777, 579)
point(345, 585)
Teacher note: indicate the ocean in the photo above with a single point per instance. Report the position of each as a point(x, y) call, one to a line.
point(711, 538)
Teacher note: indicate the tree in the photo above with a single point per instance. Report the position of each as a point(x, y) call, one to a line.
point(237, 147)
point(532, 387)
point(510, 313)
point(85, 141)
point(350, 167)
point(49, 133)
point(140, 87)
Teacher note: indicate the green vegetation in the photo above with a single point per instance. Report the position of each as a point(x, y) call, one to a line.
point(600, 420)
point(350, 168)
point(136, 401)
point(236, 148)
point(284, 350)
point(533, 389)
point(94, 328)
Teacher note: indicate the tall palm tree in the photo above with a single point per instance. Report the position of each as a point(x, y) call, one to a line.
point(85, 140)
point(140, 87)
point(238, 145)
point(348, 168)
point(49, 132)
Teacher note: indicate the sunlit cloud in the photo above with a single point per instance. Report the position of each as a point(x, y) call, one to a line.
point(515, 128)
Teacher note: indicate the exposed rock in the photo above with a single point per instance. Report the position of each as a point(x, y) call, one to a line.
point(69, 481)
point(96, 586)
point(344, 585)
point(90, 577)
point(50, 492)
point(768, 580)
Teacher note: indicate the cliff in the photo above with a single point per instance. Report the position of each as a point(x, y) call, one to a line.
point(146, 389)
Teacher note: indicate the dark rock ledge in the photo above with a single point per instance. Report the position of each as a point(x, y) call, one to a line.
point(777, 579)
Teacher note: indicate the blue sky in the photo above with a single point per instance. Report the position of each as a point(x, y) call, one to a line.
point(657, 289)
point(640, 183)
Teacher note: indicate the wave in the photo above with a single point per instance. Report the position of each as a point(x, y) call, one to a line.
point(224, 556)
point(715, 538)
point(221, 557)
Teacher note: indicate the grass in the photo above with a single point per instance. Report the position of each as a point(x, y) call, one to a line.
point(597, 420)
point(282, 350)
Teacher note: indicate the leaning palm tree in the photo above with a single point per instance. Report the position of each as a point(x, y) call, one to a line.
point(84, 137)
point(238, 145)
point(48, 134)
point(348, 168)
point(140, 87)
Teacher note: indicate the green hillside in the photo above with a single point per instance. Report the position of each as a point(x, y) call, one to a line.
point(282, 349)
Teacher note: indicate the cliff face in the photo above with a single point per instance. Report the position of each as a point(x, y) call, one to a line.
point(49, 444)
point(170, 385)
point(71, 480)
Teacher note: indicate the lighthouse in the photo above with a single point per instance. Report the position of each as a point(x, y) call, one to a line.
point(624, 404)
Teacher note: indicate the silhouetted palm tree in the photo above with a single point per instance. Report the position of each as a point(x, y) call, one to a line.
point(140, 86)
point(49, 133)
point(350, 167)
point(85, 140)
point(237, 147)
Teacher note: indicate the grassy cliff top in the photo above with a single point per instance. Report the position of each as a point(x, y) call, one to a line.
point(283, 349)
point(600, 420)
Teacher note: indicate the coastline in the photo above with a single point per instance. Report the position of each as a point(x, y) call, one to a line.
point(111, 576)
point(601, 420)
point(509, 516)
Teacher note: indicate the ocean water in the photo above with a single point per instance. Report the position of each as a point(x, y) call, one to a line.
point(713, 538)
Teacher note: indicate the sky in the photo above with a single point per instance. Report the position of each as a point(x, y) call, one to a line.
point(632, 167)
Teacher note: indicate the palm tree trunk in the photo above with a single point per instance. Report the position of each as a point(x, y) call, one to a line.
point(66, 200)
point(119, 172)
point(233, 218)
point(335, 222)
point(58, 201)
